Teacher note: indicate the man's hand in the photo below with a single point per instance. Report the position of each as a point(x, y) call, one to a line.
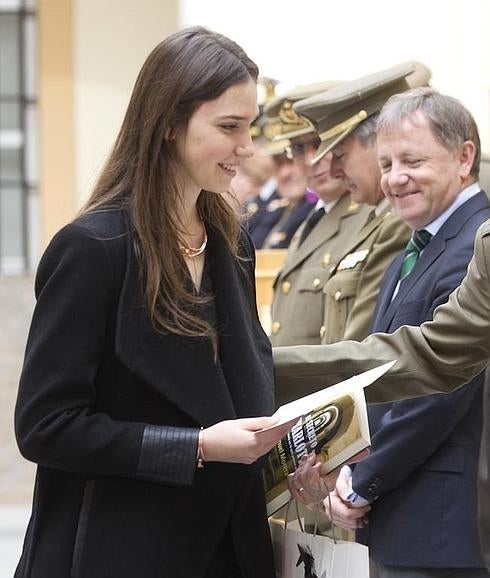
point(343, 514)
point(340, 509)
point(308, 486)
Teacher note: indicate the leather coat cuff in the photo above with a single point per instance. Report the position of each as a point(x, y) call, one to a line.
point(168, 454)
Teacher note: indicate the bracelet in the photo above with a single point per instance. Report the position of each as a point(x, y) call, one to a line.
point(200, 454)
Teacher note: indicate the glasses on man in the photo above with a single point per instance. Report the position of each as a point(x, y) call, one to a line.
point(299, 148)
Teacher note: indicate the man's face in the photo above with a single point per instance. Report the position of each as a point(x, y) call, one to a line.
point(318, 176)
point(420, 177)
point(357, 166)
point(291, 183)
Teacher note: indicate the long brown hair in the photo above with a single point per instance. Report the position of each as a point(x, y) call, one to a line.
point(188, 68)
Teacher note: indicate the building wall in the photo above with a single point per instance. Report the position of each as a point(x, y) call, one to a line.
point(301, 42)
point(90, 54)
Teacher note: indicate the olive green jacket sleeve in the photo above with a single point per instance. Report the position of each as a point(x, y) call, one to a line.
point(439, 356)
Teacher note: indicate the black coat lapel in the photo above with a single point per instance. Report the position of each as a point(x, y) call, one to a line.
point(182, 369)
point(245, 350)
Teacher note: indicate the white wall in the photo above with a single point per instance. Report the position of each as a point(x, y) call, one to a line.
point(112, 40)
point(314, 40)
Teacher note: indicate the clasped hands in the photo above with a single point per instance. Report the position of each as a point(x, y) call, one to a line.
point(308, 486)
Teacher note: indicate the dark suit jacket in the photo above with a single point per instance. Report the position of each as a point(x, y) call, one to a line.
point(257, 220)
point(282, 233)
point(439, 356)
point(95, 375)
point(422, 471)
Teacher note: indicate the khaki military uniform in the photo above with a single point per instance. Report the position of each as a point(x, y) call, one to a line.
point(351, 291)
point(297, 305)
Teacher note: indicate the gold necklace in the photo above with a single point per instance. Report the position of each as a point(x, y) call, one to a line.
point(192, 252)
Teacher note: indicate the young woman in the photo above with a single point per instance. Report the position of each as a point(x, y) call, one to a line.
point(146, 366)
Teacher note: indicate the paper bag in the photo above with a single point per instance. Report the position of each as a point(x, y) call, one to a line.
point(301, 555)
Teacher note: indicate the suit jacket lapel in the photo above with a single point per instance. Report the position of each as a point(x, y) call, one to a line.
point(430, 254)
point(433, 250)
point(384, 302)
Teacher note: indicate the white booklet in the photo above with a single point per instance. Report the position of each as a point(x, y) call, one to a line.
point(332, 422)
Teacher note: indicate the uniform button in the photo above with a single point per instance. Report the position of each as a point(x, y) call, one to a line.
point(338, 295)
point(276, 326)
point(322, 331)
point(326, 260)
point(316, 282)
point(286, 287)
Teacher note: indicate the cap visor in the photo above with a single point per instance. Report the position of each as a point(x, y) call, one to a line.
point(327, 145)
point(274, 148)
point(295, 133)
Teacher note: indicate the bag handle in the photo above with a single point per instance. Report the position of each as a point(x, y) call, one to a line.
point(316, 519)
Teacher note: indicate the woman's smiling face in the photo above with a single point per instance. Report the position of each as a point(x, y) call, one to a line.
point(217, 139)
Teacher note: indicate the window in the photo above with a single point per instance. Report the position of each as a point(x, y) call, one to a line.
point(19, 222)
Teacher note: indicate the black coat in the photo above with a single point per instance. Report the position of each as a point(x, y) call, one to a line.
point(95, 374)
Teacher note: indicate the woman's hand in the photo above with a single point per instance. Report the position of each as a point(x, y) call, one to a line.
point(238, 440)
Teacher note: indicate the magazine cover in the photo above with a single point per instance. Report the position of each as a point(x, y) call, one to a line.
point(335, 429)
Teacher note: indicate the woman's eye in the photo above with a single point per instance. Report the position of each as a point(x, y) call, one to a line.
point(229, 127)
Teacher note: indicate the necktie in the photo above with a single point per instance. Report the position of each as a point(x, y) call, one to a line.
point(418, 241)
point(310, 224)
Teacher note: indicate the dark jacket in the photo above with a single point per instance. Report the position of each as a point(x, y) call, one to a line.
point(422, 472)
point(98, 383)
point(282, 233)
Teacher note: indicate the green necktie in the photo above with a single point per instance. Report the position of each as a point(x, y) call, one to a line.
point(418, 241)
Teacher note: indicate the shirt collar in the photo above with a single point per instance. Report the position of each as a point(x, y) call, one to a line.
point(462, 197)
point(268, 188)
point(326, 206)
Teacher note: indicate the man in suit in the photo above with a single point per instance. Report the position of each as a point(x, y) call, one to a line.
point(438, 356)
point(297, 305)
point(424, 451)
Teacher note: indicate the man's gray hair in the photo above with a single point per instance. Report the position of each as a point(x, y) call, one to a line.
point(450, 122)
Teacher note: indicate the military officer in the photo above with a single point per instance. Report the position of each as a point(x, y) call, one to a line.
point(295, 201)
point(345, 118)
point(297, 306)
